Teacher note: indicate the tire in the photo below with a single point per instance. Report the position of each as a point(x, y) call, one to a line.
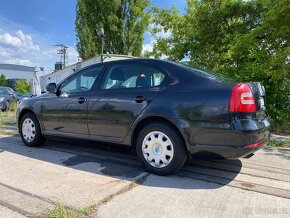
point(160, 149)
point(7, 108)
point(30, 131)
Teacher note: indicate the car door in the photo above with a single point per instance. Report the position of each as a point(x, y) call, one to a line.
point(65, 113)
point(125, 91)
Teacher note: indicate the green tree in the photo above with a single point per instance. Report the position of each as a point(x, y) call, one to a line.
point(3, 80)
point(245, 40)
point(22, 86)
point(124, 23)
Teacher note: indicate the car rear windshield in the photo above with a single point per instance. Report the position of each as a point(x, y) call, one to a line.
point(205, 73)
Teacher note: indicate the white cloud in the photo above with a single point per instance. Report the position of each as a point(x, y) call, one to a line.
point(8, 40)
point(21, 44)
point(147, 47)
point(163, 34)
point(19, 40)
point(160, 34)
point(19, 47)
point(27, 42)
point(19, 61)
point(73, 55)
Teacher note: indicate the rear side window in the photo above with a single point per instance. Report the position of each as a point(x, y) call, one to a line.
point(126, 76)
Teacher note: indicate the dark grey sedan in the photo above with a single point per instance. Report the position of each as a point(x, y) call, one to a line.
point(7, 95)
point(163, 110)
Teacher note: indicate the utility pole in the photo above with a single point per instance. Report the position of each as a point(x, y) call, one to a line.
point(62, 51)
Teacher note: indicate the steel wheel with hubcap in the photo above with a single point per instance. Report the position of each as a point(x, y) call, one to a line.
point(30, 130)
point(160, 148)
point(157, 149)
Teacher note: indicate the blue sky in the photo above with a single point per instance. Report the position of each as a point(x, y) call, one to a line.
point(29, 28)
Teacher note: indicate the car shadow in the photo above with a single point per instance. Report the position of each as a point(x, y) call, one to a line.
point(120, 162)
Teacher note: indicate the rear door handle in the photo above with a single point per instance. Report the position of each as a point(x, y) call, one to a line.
point(140, 99)
point(82, 100)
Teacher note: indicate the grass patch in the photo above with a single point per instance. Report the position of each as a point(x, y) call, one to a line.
point(8, 114)
point(281, 130)
point(7, 118)
point(59, 210)
point(5, 132)
point(13, 106)
point(278, 143)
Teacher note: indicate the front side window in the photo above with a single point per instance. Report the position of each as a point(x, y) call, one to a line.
point(82, 81)
point(2, 91)
point(132, 76)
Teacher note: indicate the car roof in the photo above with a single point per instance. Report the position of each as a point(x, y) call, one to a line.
point(140, 60)
point(133, 60)
point(155, 62)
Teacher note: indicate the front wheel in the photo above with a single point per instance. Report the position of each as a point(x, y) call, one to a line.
point(7, 106)
point(161, 149)
point(30, 131)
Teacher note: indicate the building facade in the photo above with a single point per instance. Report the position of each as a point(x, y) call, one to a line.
point(58, 76)
point(14, 72)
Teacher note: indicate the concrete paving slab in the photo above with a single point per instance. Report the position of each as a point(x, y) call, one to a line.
point(222, 190)
point(266, 178)
point(183, 197)
point(44, 173)
point(271, 157)
point(83, 175)
point(6, 212)
point(27, 205)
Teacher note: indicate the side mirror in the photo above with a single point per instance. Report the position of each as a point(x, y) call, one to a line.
point(51, 87)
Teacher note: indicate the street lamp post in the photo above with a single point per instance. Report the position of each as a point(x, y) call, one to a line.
point(101, 33)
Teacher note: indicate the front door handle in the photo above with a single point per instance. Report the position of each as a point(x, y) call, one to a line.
point(82, 100)
point(140, 99)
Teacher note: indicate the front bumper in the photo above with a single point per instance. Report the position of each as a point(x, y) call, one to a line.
point(2, 105)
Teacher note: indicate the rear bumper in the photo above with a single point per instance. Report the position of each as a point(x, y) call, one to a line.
point(228, 152)
point(247, 143)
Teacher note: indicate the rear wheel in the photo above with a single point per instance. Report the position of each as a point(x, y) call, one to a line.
point(31, 131)
point(160, 149)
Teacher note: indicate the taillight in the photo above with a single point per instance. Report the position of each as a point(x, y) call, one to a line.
point(242, 99)
point(259, 144)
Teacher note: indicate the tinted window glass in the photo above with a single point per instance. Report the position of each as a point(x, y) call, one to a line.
point(82, 81)
point(2, 91)
point(204, 73)
point(10, 91)
point(132, 76)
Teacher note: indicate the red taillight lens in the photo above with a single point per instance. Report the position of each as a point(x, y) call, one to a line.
point(242, 99)
point(259, 144)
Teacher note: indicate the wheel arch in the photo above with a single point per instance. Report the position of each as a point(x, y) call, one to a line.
point(22, 113)
point(155, 118)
